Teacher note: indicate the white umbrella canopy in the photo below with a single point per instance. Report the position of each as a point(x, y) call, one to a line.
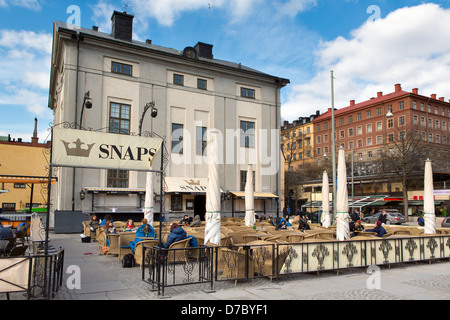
point(148, 205)
point(326, 217)
point(249, 199)
point(212, 227)
point(428, 200)
point(342, 216)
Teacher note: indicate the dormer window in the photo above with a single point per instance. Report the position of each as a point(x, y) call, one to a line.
point(122, 68)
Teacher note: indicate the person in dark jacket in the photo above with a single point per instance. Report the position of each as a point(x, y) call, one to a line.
point(355, 215)
point(197, 222)
point(383, 217)
point(378, 229)
point(5, 233)
point(176, 234)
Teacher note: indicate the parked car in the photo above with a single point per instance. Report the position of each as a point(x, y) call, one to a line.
point(446, 222)
point(393, 217)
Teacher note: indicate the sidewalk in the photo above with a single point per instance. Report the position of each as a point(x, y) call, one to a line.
point(103, 278)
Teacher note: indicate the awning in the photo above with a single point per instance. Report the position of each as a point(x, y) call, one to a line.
point(420, 203)
point(25, 179)
point(257, 195)
point(186, 185)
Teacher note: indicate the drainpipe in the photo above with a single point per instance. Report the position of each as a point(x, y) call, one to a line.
point(76, 114)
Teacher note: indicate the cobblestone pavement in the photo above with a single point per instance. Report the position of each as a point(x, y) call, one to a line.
point(104, 278)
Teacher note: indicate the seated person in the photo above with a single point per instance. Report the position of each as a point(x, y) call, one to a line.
point(176, 234)
point(196, 222)
point(378, 229)
point(421, 221)
point(106, 218)
point(303, 224)
point(356, 226)
point(186, 220)
point(286, 219)
point(129, 226)
point(93, 223)
point(283, 225)
point(144, 230)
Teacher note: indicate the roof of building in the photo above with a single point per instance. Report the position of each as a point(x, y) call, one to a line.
point(62, 26)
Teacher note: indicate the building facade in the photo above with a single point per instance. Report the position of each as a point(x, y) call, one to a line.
point(192, 92)
point(371, 132)
point(23, 173)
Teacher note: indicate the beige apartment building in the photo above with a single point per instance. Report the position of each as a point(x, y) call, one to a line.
point(190, 92)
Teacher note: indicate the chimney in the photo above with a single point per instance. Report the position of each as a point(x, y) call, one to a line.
point(352, 103)
point(433, 96)
point(35, 139)
point(379, 94)
point(415, 91)
point(122, 26)
point(95, 28)
point(204, 50)
point(442, 99)
point(148, 41)
point(398, 87)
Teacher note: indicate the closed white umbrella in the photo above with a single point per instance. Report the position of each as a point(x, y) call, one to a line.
point(249, 199)
point(326, 217)
point(428, 200)
point(212, 217)
point(148, 205)
point(342, 216)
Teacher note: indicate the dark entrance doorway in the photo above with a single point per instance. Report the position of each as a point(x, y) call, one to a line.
point(200, 206)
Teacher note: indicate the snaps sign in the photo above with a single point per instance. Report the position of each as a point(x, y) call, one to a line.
point(79, 148)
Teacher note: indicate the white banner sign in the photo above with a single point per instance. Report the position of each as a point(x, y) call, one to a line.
point(80, 148)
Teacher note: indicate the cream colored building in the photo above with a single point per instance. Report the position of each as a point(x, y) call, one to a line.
point(193, 93)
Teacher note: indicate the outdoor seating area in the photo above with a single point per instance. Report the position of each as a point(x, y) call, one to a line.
point(244, 252)
point(17, 243)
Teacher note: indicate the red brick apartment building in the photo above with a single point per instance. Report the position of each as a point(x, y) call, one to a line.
point(367, 129)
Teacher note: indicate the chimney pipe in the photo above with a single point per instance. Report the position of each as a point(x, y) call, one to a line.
point(433, 96)
point(415, 91)
point(379, 94)
point(352, 103)
point(398, 87)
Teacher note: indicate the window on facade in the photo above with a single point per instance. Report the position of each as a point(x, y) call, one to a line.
point(359, 117)
point(430, 123)
point(176, 202)
point(430, 137)
point(369, 141)
point(178, 79)
point(444, 125)
point(325, 138)
point(119, 122)
point(350, 144)
point(379, 139)
point(341, 121)
point(359, 130)
point(350, 119)
point(369, 128)
point(379, 111)
point(391, 137)
point(342, 134)
point(436, 124)
point(248, 93)
point(318, 127)
point(350, 132)
point(390, 123)
point(369, 114)
point(401, 121)
point(318, 139)
point(421, 106)
point(247, 134)
point(438, 138)
point(379, 126)
point(122, 68)
point(202, 84)
point(200, 143)
point(177, 138)
point(415, 119)
point(414, 105)
point(360, 143)
point(443, 112)
point(422, 121)
point(119, 118)
point(401, 105)
point(436, 110)
point(244, 179)
point(325, 125)
point(117, 178)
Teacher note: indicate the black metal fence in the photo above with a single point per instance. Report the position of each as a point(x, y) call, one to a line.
point(39, 277)
point(208, 264)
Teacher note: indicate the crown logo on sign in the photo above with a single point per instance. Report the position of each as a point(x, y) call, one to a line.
point(78, 151)
point(193, 182)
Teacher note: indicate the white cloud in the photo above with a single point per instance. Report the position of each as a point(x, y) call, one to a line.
point(293, 7)
point(408, 46)
point(28, 4)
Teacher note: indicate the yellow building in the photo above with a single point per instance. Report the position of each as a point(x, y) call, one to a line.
point(23, 169)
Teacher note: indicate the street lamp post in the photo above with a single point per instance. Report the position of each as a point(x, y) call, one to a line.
point(87, 103)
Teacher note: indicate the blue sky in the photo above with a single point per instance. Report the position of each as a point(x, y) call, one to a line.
point(370, 45)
